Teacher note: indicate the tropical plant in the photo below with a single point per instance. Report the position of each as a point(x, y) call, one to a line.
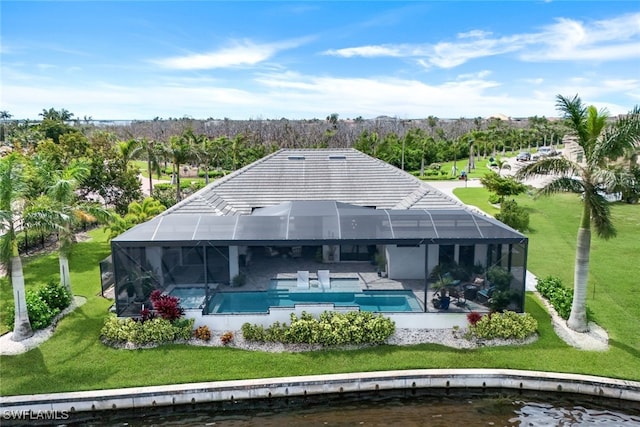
point(513, 215)
point(179, 151)
point(141, 212)
point(502, 185)
point(600, 144)
point(64, 210)
point(11, 203)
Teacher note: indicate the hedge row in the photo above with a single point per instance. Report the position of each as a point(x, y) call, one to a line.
point(332, 328)
point(153, 331)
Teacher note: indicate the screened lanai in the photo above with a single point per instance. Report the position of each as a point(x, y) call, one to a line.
point(209, 252)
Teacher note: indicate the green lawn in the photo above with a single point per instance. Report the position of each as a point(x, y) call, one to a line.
point(74, 358)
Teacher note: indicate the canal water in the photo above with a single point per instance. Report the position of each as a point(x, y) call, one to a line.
point(427, 407)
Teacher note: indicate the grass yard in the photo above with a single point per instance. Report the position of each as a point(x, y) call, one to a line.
point(75, 359)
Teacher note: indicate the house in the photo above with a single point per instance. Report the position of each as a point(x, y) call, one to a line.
point(383, 234)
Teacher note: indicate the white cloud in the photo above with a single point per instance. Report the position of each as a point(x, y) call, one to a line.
point(564, 40)
point(368, 51)
point(571, 40)
point(243, 53)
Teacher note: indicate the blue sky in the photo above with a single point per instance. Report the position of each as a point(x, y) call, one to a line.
point(304, 60)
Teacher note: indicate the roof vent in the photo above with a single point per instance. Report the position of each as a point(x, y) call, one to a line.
point(337, 157)
point(296, 157)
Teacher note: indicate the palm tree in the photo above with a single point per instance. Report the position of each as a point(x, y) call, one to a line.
point(502, 164)
point(11, 203)
point(600, 144)
point(64, 210)
point(128, 150)
point(151, 151)
point(179, 151)
point(141, 212)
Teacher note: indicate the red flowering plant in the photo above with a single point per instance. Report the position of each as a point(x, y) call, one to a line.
point(167, 306)
point(473, 318)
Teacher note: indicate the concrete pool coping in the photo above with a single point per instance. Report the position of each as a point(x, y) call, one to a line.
point(265, 388)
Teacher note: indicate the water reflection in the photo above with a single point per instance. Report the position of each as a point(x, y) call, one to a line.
point(403, 408)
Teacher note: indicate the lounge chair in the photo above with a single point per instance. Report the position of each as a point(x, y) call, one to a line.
point(303, 279)
point(324, 279)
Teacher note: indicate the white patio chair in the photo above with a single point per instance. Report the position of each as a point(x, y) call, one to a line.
point(303, 279)
point(324, 279)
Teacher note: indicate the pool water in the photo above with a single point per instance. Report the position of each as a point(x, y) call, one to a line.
point(261, 301)
point(191, 298)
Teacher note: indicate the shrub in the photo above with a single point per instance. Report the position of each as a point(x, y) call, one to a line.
point(167, 306)
point(494, 199)
point(40, 314)
point(183, 328)
point(202, 333)
point(513, 215)
point(153, 331)
point(473, 318)
point(55, 295)
point(559, 296)
point(43, 305)
point(356, 327)
point(156, 331)
point(253, 332)
point(226, 338)
point(504, 325)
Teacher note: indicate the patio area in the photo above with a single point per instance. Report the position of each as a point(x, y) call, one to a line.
point(263, 268)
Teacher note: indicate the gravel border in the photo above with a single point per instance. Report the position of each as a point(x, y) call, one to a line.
point(594, 340)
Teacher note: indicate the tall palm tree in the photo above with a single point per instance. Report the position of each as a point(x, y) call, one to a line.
point(179, 151)
point(11, 203)
point(64, 210)
point(600, 144)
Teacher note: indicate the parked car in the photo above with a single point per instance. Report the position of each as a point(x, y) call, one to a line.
point(525, 156)
point(547, 151)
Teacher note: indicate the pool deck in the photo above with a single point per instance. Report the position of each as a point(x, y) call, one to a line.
point(262, 270)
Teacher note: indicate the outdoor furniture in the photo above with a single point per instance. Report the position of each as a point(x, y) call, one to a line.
point(484, 295)
point(303, 279)
point(324, 279)
point(296, 252)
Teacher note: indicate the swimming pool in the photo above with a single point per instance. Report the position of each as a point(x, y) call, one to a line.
point(191, 298)
point(261, 301)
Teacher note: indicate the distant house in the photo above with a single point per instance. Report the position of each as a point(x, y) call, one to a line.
point(381, 232)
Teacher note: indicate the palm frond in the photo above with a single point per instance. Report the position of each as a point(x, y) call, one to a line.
point(623, 137)
point(547, 166)
point(575, 113)
point(600, 214)
point(560, 185)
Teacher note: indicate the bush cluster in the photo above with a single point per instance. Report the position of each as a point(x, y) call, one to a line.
point(43, 305)
point(559, 296)
point(505, 325)
point(513, 215)
point(332, 328)
point(202, 333)
point(153, 331)
point(226, 338)
point(216, 173)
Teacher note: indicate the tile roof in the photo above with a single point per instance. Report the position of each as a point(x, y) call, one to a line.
point(343, 175)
